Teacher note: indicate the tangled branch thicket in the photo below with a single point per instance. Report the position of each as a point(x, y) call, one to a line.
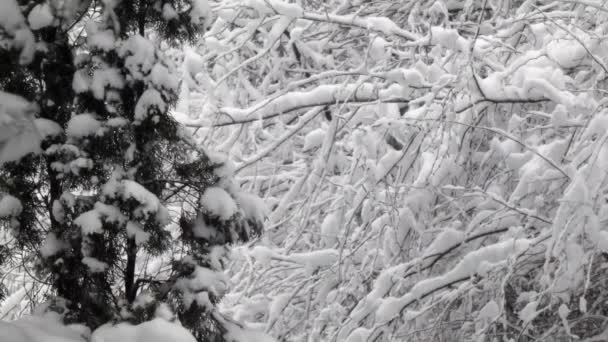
point(435, 170)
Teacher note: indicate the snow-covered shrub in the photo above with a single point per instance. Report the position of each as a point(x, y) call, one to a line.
point(435, 170)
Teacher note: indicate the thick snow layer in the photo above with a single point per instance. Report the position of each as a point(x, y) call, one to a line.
point(40, 16)
point(150, 99)
point(10, 15)
point(81, 81)
point(150, 204)
point(448, 38)
point(314, 259)
point(18, 134)
point(330, 227)
point(140, 54)
point(103, 40)
point(157, 330)
point(244, 334)
point(169, 12)
point(278, 304)
point(102, 78)
point(91, 221)
point(202, 282)
point(310, 260)
point(314, 139)
point(202, 230)
point(136, 231)
point(10, 206)
point(83, 125)
point(252, 206)
point(47, 328)
point(446, 239)
point(321, 95)
point(529, 312)
point(387, 163)
point(379, 49)
point(47, 128)
point(51, 245)
point(162, 77)
point(13, 22)
point(218, 203)
point(200, 11)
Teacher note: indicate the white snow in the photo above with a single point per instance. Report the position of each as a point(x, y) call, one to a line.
point(473, 262)
point(156, 330)
point(330, 229)
point(169, 12)
point(58, 211)
point(102, 78)
point(246, 334)
point(379, 49)
point(91, 221)
point(18, 134)
point(47, 328)
point(40, 16)
point(284, 8)
point(314, 139)
point(103, 40)
point(139, 54)
point(490, 311)
point(201, 10)
point(116, 122)
point(387, 163)
point(602, 242)
point(446, 239)
point(150, 99)
point(203, 280)
point(504, 138)
point(448, 38)
point(10, 15)
point(13, 22)
point(51, 245)
point(193, 62)
point(47, 128)
point(252, 206)
point(360, 334)
point(135, 230)
point(529, 312)
point(162, 77)
point(323, 94)
point(314, 259)
point(202, 230)
point(275, 311)
point(94, 265)
point(81, 82)
point(218, 202)
point(567, 51)
point(150, 204)
point(10, 206)
point(83, 125)
point(262, 254)
point(406, 77)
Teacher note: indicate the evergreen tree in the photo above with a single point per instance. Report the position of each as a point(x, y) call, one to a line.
point(89, 201)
